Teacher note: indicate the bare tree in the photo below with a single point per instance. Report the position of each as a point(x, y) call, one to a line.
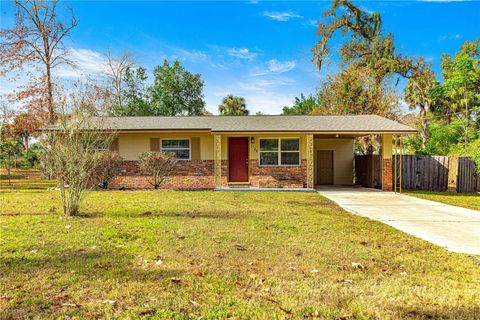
point(36, 38)
point(115, 69)
point(74, 150)
point(157, 166)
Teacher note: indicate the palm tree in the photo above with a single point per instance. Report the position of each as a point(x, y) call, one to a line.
point(233, 106)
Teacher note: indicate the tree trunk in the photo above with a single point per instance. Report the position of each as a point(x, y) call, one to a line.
point(51, 109)
point(424, 130)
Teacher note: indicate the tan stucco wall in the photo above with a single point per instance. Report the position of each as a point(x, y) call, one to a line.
point(131, 145)
point(254, 147)
point(387, 146)
point(342, 159)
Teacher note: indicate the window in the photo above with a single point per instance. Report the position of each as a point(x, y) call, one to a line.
point(280, 152)
point(179, 147)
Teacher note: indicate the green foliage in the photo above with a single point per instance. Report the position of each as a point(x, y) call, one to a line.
point(355, 91)
point(176, 91)
point(10, 149)
point(460, 91)
point(368, 59)
point(135, 95)
point(472, 150)
point(31, 157)
point(302, 105)
point(449, 139)
point(454, 111)
point(442, 137)
point(233, 106)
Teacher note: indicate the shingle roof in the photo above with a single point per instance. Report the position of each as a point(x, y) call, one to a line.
point(348, 123)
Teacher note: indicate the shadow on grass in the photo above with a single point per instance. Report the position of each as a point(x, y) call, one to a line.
point(436, 312)
point(224, 215)
point(87, 262)
point(450, 194)
point(197, 214)
point(13, 176)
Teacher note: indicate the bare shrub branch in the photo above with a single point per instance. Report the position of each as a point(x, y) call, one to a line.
point(157, 166)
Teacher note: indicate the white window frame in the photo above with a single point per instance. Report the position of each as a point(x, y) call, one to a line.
point(279, 151)
point(170, 149)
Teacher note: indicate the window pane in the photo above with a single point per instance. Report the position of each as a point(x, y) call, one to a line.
point(268, 144)
point(175, 143)
point(290, 158)
point(182, 154)
point(290, 144)
point(269, 158)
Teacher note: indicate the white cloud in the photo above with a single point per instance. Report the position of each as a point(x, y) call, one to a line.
point(281, 16)
point(451, 37)
point(312, 23)
point(274, 66)
point(268, 95)
point(268, 102)
point(87, 62)
point(241, 53)
point(193, 56)
point(264, 84)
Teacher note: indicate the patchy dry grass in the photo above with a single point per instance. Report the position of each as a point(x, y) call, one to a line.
point(466, 200)
point(181, 255)
point(24, 179)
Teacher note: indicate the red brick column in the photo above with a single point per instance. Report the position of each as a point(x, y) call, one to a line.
point(387, 175)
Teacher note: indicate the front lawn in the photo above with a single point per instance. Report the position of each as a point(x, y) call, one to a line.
point(24, 179)
point(466, 200)
point(182, 255)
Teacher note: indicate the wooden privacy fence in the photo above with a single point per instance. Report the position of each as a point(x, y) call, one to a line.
point(468, 180)
point(419, 172)
point(427, 173)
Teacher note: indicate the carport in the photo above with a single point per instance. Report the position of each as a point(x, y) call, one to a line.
point(334, 160)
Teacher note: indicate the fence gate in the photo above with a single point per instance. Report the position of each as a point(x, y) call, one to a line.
point(368, 170)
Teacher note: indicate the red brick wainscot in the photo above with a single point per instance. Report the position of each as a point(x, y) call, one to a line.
point(387, 175)
point(188, 175)
point(278, 176)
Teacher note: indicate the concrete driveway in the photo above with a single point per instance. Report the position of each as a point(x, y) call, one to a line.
point(454, 228)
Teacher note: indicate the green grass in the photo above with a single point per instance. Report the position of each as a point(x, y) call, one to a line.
point(466, 200)
point(184, 255)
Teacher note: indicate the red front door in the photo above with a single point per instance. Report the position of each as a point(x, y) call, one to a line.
point(238, 159)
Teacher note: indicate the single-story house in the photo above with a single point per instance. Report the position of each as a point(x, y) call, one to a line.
point(254, 151)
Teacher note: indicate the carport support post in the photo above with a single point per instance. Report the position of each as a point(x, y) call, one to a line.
point(217, 156)
point(387, 174)
point(310, 161)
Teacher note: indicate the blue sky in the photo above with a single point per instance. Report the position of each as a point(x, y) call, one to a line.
point(260, 50)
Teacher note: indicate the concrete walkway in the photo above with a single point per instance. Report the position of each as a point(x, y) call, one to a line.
point(454, 228)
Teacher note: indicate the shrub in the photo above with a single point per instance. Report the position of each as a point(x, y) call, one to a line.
point(157, 166)
point(107, 167)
